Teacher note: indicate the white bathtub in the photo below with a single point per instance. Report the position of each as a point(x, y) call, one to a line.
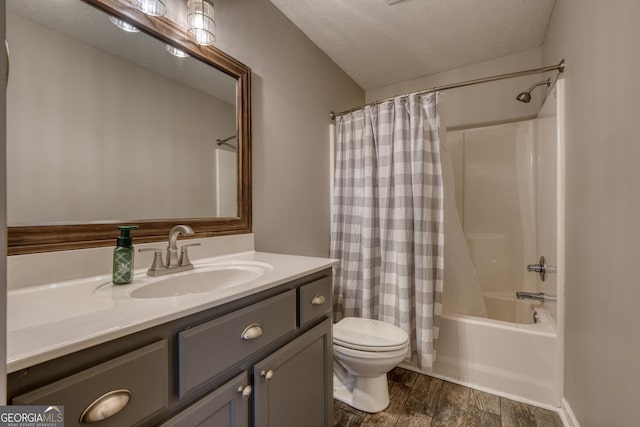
point(506, 353)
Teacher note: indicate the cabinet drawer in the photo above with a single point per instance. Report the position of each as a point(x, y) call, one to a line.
point(208, 349)
point(143, 373)
point(314, 299)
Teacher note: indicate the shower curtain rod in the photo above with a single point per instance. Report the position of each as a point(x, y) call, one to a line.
point(559, 68)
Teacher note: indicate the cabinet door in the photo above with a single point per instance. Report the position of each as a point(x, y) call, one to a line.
point(224, 407)
point(293, 387)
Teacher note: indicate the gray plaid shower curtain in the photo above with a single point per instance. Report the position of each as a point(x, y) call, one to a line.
point(387, 225)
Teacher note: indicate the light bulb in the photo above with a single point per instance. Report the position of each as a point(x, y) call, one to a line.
point(176, 52)
point(201, 21)
point(151, 7)
point(124, 25)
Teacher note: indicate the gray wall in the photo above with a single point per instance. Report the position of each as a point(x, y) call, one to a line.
point(600, 41)
point(295, 86)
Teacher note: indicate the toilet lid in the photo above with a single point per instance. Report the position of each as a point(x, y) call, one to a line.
point(368, 334)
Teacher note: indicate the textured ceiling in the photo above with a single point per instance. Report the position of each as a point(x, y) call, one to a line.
point(378, 43)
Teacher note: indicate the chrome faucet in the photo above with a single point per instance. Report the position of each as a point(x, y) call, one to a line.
point(174, 263)
point(172, 247)
point(539, 296)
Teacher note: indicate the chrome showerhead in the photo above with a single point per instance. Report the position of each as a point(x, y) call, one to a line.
point(526, 96)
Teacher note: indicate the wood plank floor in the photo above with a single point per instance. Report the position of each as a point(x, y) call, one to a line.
point(421, 401)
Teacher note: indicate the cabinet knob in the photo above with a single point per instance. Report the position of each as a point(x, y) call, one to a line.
point(318, 300)
point(251, 332)
point(267, 374)
point(245, 391)
point(106, 406)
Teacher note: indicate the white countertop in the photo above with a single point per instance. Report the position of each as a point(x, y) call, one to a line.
point(49, 321)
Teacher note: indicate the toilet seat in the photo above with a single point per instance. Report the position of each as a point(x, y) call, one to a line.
point(376, 349)
point(369, 335)
point(371, 354)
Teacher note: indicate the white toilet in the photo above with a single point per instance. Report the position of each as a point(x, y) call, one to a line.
point(365, 350)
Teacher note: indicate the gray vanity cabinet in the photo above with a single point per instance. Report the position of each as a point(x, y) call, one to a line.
point(264, 360)
point(227, 406)
point(293, 386)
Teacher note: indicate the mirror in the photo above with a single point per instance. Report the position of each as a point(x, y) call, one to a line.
point(107, 127)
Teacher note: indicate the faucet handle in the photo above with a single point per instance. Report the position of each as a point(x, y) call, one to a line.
point(184, 255)
point(157, 264)
point(540, 268)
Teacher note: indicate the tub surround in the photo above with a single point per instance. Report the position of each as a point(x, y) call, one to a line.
point(55, 319)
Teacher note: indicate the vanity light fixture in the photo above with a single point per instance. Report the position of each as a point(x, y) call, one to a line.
point(151, 7)
point(201, 21)
point(124, 25)
point(176, 52)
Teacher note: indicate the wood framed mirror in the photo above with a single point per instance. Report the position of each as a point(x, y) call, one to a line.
point(82, 213)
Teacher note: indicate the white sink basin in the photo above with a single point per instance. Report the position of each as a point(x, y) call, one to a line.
point(202, 279)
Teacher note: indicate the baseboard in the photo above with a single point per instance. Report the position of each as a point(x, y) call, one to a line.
point(566, 414)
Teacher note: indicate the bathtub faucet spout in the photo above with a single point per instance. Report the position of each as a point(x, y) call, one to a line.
point(540, 296)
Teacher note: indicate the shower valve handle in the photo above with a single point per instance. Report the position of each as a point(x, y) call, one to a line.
point(541, 268)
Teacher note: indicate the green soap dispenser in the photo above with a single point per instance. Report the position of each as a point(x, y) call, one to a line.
point(123, 256)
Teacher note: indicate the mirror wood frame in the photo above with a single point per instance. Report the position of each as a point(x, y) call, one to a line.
point(47, 238)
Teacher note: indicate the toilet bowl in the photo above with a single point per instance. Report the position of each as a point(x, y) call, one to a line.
point(364, 351)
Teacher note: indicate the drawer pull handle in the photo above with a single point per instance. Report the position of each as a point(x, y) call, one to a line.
point(252, 331)
point(245, 391)
point(318, 300)
point(106, 406)
point(267, 374)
